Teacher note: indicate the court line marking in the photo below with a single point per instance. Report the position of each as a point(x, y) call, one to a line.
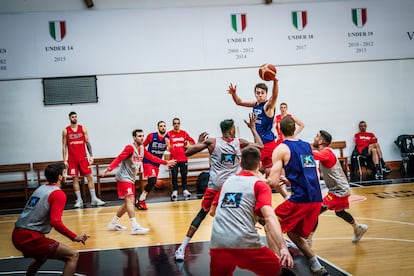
point(376, 219)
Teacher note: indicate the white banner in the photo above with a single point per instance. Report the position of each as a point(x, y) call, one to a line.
point(95, 42)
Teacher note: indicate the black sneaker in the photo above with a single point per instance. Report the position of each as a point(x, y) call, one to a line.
point(386, 169)
point(378, 176)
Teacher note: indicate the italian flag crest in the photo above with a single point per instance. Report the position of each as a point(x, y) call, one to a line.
point(359, 17)
point(299, 19)
point(57, 30)
point(238, 22)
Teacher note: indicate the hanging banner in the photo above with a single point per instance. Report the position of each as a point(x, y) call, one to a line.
point(95, 42)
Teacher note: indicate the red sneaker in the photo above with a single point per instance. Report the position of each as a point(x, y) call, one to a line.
point(141, 205)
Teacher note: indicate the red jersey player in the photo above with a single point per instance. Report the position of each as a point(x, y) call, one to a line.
point(179, 141)
point(75, 140)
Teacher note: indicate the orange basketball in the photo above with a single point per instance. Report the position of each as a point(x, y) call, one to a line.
point(267, 72)
point(159, 184)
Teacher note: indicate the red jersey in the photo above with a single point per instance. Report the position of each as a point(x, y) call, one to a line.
point(364, 139)
point(326, 156)
point(76, 143)
point(278, 119)
point(178, 140)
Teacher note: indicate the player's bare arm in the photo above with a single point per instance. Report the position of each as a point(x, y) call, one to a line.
point(203, 143)
point(280, 156)
point(251, 124)
point(88, 145)
point(274, 230)
point(64, 149)
point(270, 106)
point(237, 100)
point(300, 125)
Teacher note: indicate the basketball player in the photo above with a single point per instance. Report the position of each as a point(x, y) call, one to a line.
point(337, 183)
point(265, 111)
point(298, 214)
point(367, 145)
point(42, 212)
point(279, 117)
point(74, 140)
point(224, 162)
point(156, 144)
point(179, 141)
point(130, 164)
point(234, 239)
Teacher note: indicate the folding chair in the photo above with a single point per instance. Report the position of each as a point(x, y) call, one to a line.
point(405, 143)
point(358, 162)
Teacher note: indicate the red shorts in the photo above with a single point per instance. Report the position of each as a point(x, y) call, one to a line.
point(34, 244)
point(261, 261)
point(125, 189)
point(266, 154)
point(151, 170)
point(81, 166)
point(208, 198)
point(299, 218)
point(336, 203)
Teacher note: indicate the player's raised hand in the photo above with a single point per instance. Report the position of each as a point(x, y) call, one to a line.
point(252, 120)
point(232, 89)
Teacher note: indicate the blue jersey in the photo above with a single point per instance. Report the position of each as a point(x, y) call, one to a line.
point(156, 146)
point(264, 124)
point(302, 174)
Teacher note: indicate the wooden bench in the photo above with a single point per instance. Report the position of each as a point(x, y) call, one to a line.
point(341, 145)
point(100, 165)
point(197, 163)
point(14, 182)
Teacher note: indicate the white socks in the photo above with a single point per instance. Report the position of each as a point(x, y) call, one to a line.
point(134, 223)
point(143, 196)
point(314, 262)
point(78, 195)
point(93, 195)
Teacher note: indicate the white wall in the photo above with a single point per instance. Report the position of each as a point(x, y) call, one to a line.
point(334, 97)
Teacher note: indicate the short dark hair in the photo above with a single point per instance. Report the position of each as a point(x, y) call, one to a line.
point(288, 126)
point(226, 125)
point(262, 86)
point(135, 131)
point(53, 171)
point(160, 122)
point(250, 158)
point(72, 113)
point(326, 136)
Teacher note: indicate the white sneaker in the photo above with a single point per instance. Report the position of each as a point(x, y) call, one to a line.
point(186, 194)
point(321, 272)
point(116, 227)
point(174, 196)
point(139, 230)
point(78, 203)
point(359, 232)
point(179, 254)
point(97, 202)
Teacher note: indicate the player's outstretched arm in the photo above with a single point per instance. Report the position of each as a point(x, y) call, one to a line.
point(237, 100)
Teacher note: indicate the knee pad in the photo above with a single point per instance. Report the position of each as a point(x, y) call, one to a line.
point(345, 216)
point(199, 218)
point(151, 184)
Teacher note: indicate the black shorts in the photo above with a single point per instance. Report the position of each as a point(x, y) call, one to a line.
point(365, 152)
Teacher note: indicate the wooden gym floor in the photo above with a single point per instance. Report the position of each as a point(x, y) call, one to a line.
point(386, 249)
